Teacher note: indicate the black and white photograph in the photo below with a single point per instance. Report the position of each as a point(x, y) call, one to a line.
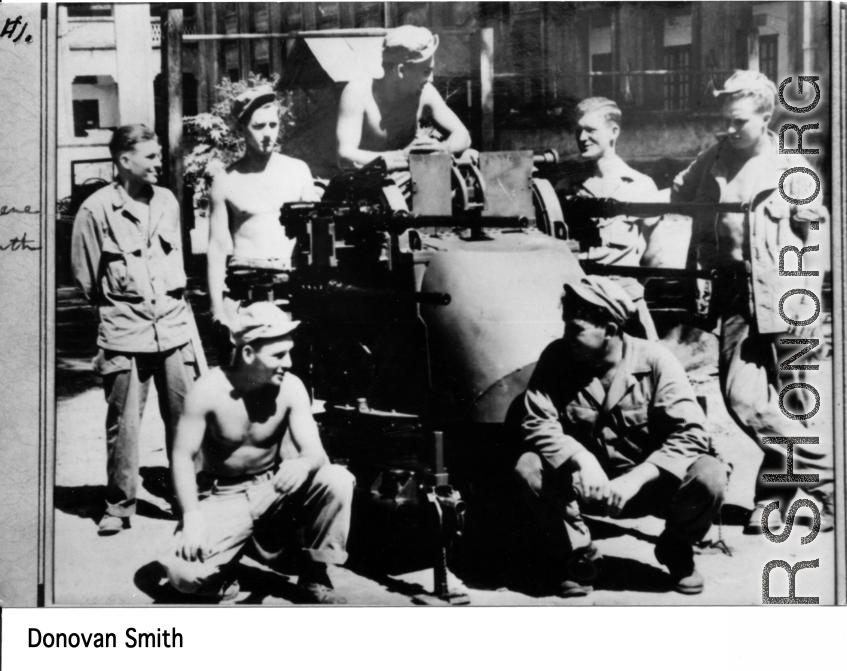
point(430, 304)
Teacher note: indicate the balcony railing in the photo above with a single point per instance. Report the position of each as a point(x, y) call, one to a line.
point(189, 27)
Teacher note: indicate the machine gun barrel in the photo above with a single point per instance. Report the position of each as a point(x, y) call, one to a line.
point(463, 221)
point(605, 209)
point(594, 268)
point(336, 288)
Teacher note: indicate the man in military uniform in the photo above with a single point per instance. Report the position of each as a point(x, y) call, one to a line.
point(127, 258)
point(743, 251)
point(615, 241)
point(612, 427)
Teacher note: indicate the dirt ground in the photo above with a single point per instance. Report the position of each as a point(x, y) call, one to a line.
point(122, 569)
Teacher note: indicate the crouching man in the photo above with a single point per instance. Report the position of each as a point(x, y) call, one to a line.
point(252, 489)
point(613, 428)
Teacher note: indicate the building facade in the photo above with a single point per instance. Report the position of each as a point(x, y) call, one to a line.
point(659, 60)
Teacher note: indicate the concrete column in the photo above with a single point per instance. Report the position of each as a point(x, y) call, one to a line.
point(134, 40)
point(65, 129)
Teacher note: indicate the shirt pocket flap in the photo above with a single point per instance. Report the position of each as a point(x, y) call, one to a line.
point(170, 237)
point(123, 242)
point(581, 414)
point(777, 209)
point(635, 416)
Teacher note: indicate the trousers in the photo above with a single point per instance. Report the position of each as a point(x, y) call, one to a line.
point(173, 373)
point(237, 512)
point(687, 506)
point(748, 371)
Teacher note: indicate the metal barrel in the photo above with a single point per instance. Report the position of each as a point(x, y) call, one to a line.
point(605, 209)
point(333, 287)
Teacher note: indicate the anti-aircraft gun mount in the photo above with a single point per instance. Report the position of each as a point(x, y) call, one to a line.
point(421, 326)
point(414, 310)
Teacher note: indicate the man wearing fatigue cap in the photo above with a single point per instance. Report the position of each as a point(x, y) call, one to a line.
point(246, 199)
point(383, 117)
point(255, 487)
point(612, 427)
point(743, 251)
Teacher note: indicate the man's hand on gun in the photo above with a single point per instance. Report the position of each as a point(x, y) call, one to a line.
point(425, 144)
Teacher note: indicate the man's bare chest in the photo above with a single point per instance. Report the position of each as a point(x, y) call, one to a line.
point(234, 425)
point(392, 122)
point(251, 195)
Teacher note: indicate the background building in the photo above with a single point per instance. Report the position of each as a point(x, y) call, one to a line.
point(659, 60)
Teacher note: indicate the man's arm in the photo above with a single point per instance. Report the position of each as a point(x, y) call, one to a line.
point(541, 428)
point(190, 433)
point(675, 421)
point(348, 131)
point(543, 432)
point(220, 245)
point(800, 185)
point(304, 433)
point(85, 254)
point(309, 193)
point(458, 139)
point(686, 183)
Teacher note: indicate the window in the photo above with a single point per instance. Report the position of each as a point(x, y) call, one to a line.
point(292, 15)
point(327, 15)
point(86, 10)
point(602, 85)
point(412, 13)
point(768, 55)
point(369, 15)
point(678, 84)
point(231, 63)
point(95, 103)
point(86, 116)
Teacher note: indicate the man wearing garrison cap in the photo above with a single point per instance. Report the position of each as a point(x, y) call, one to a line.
point(255, 487)
point(745, 253)
point(384, 117)
point(612, 427)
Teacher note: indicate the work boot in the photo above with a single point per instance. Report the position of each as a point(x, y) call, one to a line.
point(229, 592)
point(316, 586)
point(224, 593)
point(110, 525)
point(826, 507)
point(678, 556)
point(776, 519)
point(581, 572)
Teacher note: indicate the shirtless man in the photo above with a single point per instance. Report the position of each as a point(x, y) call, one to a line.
point(381, 117)
point(253, 486)
point(743, 252)
point(246, 199)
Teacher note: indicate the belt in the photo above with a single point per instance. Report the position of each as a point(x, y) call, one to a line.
point(212, 480)
point(738, 271)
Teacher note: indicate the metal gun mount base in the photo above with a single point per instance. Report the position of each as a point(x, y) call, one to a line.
point(450, 510)
point(449, 599)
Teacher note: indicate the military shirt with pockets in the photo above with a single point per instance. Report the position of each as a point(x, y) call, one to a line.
point(132, 271)
point(649, 413)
